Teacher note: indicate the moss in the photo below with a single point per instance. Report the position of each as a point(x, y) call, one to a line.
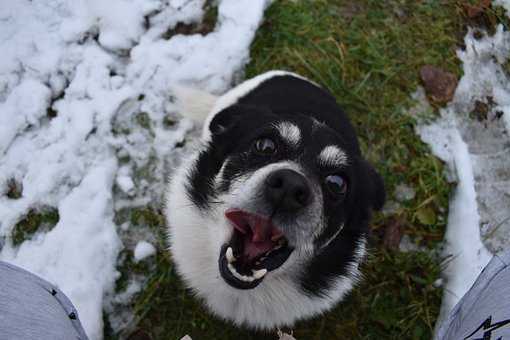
point(35, 220)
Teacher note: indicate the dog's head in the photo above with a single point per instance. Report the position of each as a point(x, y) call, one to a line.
point(268, 219)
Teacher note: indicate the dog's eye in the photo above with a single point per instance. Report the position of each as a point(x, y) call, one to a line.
point(264, 146)
point(336, 184)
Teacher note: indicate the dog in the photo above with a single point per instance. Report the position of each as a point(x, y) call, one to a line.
point(268, 219)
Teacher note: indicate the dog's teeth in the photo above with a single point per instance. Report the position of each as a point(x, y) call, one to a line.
point(239, 276)
point(258, 274)
point(230, 255)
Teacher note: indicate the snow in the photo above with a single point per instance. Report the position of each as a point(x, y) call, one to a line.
point(477, 154)
point(144, 250)
point(85, 106)
point(124, 180)
point(403, 192)
point(466, 255)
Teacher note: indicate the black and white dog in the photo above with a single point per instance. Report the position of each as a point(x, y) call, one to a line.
point(268, 219)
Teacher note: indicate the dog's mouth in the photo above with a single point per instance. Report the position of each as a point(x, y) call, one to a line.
point(256, 248)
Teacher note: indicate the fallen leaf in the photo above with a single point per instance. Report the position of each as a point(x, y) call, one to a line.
point(473, 11)
point(439, 85)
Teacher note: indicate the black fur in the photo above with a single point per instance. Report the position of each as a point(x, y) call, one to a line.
point(322, 122)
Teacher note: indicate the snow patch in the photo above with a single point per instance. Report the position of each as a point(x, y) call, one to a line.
point(79, 253)
point(475, 145)
point(143, 250)
point(465, 253)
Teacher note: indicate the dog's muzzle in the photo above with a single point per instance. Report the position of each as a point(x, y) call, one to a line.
point(258, 246)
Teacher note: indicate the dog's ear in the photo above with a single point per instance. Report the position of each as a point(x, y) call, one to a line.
point(376, 192)
point(225, 120)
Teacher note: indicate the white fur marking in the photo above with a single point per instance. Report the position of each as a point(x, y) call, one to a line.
point(289, 132)
point(332, 155)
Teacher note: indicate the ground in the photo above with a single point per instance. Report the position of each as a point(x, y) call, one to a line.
point(368, 55)
point(89, 102)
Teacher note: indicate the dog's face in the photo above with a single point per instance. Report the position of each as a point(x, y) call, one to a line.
point(268, 220)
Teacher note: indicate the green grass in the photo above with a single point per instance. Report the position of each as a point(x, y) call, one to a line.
point(368, 54)
point(35, 220)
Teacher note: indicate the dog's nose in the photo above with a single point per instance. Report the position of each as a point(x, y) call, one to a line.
point(287, 190)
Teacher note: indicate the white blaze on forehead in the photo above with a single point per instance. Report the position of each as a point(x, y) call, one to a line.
point(332, 155)
point(289, 132)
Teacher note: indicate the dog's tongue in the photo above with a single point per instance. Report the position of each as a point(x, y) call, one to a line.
point(258, 232)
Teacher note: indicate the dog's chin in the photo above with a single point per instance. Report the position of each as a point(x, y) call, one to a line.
point(256, 248)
